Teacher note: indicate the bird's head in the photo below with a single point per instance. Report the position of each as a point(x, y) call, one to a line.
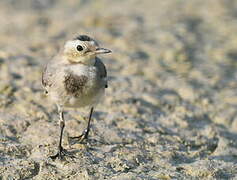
point(83, 49)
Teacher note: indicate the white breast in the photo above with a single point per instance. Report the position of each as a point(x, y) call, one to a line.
point(92, 92)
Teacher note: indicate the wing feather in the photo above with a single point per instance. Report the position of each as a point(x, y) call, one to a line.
point(102, 70)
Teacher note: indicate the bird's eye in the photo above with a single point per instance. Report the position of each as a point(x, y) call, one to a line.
point(79, 48)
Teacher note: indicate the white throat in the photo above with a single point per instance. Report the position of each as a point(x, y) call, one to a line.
point(86, 60)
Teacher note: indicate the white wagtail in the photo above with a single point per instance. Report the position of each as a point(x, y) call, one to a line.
point(76, 78)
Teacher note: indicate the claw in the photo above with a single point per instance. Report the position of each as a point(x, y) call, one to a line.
point(82, 137)
point(60, 154)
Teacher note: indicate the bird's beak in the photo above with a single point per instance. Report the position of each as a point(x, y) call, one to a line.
point(102, 51)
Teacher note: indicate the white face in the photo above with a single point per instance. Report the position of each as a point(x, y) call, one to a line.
point(77, 51)
point(79, 48)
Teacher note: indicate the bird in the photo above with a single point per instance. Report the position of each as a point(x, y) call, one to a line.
point(75, 78)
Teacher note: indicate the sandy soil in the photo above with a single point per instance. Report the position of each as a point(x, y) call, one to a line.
point(170, 109)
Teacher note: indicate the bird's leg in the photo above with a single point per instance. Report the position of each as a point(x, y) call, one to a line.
point(85, 133)
point(61, 152)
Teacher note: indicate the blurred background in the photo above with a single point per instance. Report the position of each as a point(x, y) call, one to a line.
point(170, 109)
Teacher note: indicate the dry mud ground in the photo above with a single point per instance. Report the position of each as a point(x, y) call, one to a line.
point(170, 109)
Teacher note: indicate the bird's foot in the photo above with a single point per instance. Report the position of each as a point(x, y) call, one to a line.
point(82, 137)
point(60, 154)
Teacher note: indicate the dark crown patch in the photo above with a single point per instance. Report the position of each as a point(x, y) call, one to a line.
point(83, 38)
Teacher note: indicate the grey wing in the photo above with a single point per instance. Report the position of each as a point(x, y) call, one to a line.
point(44, 77)
point(47, 74)
point(102, 70)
